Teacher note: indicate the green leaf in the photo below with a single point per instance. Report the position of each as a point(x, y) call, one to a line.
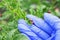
point(9, 35)
point(1, 37)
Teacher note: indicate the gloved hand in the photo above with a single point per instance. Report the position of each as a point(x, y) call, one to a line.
point(47, 29)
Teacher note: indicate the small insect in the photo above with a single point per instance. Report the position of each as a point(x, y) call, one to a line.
point(49, 11)
point(0, 14)
point(31, 22)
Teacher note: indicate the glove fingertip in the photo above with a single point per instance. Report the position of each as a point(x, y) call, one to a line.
point(50, 16)
point(22, 27)
point(31, 17)
point(22, 21)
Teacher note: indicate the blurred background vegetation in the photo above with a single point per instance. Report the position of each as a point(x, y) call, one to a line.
point(12, 10)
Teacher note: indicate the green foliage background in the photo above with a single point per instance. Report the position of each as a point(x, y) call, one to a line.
point(12, 10)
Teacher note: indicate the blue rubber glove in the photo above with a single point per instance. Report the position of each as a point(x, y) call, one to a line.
point(47, 29)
